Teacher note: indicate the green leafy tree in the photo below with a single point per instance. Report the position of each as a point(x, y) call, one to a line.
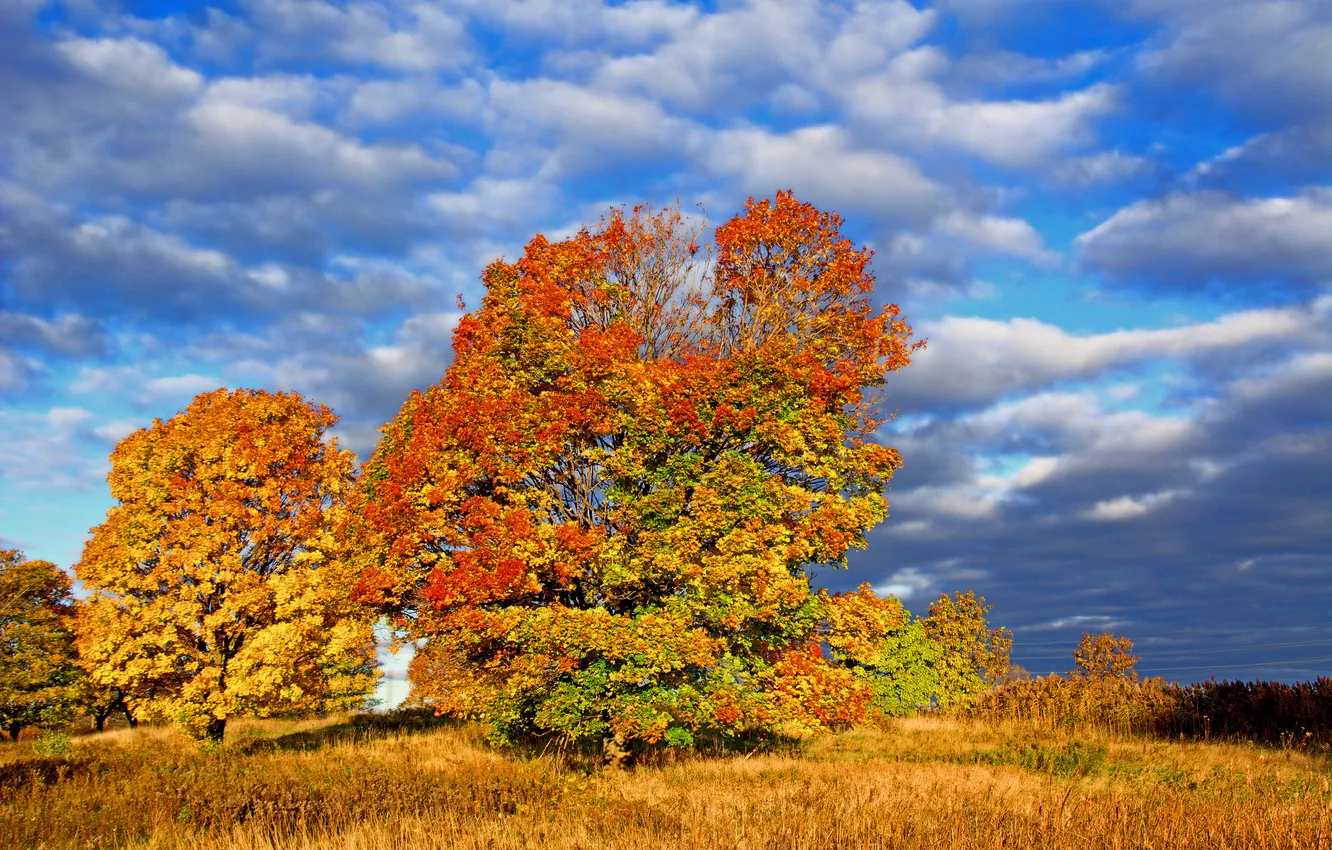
point(879, 641)
point(972, 657)
point(903, 674)
point(39, 679)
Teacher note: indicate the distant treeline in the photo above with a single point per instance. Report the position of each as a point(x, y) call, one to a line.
point(1264, 712)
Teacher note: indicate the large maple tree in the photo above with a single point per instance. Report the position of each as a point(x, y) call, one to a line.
point(213, 593)
point(601, 520)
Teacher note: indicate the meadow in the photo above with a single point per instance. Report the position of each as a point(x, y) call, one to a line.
point(365, 782)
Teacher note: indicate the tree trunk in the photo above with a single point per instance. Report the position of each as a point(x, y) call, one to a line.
point(14, 730)
point(99, 720)
point(130, 718)
point(217, 728)
point(615, 752)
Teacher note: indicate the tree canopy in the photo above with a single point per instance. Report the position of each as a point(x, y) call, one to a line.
point(971, 656)
point(212, 590)
point(1105, 655)
point(38, 679)
point(600, 520)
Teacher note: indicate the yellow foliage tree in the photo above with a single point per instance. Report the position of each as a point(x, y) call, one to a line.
point(213, 590)
point(1104, 656)
point(972, 657)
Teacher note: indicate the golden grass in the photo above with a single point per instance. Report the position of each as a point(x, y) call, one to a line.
point(919, 783)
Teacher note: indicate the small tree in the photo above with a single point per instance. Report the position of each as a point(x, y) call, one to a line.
point(38, 676)
point(972, 657)
point(213, 592)
point(877, 638)
point(1105, 656)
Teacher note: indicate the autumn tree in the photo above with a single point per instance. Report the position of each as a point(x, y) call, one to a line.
point(600, 519)
point(213, 593)
point(38, 676)
point(1105, 656)
point(972, 657)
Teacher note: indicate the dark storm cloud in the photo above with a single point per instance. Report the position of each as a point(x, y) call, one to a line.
point(1129, 521)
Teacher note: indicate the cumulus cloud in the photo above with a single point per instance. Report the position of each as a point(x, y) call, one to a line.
point(996, 233)
point(1190, 241)
point(824, 166)
point(972, 361)
point(132, 65)
point(70, 335)
point(1297, 155)
point(1105, 167)
point(1268, 58)
point(1081, 516)
point(1129, 507)
point(412, 37)
point(1016, 133)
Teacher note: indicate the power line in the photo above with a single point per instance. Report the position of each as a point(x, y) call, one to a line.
point(1187, 634)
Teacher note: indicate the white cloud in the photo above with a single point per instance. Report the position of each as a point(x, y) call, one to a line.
point(580, 117)
point(973, 360)
point(489, 203)
point(1187, 241)
point(1299, 154)
point(1266, 56)
point(116, 430)
point(823, 166)
point(380, 101)
point(16, 372)
point(1113, 166)
point(132, 65)
point(905, 584)
point(117, 241)
point(179, 385)
point(1034, 471)
point(68, 419)
point(412, 37)
point(253, 141)
point(1129, 507)
point(287, 93)
point(995, 233)
point(1011, 133)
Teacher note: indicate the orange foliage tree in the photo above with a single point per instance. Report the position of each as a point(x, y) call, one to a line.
point(212, 591)
point(601, 518)
point(1105, 655)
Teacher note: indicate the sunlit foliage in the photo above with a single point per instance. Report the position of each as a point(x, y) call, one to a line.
point(601, 518)
point(213, 594)
point(972, 657)
point(1105, 655)
point(38, 678)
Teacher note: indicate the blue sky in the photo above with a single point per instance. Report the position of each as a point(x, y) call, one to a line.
point(1112, 221)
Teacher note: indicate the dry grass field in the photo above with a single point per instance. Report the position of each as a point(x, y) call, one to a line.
point(363, 784)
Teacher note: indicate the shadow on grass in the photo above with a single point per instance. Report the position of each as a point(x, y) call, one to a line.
point(361, 727)
point(20, 776)
point(591, 755)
